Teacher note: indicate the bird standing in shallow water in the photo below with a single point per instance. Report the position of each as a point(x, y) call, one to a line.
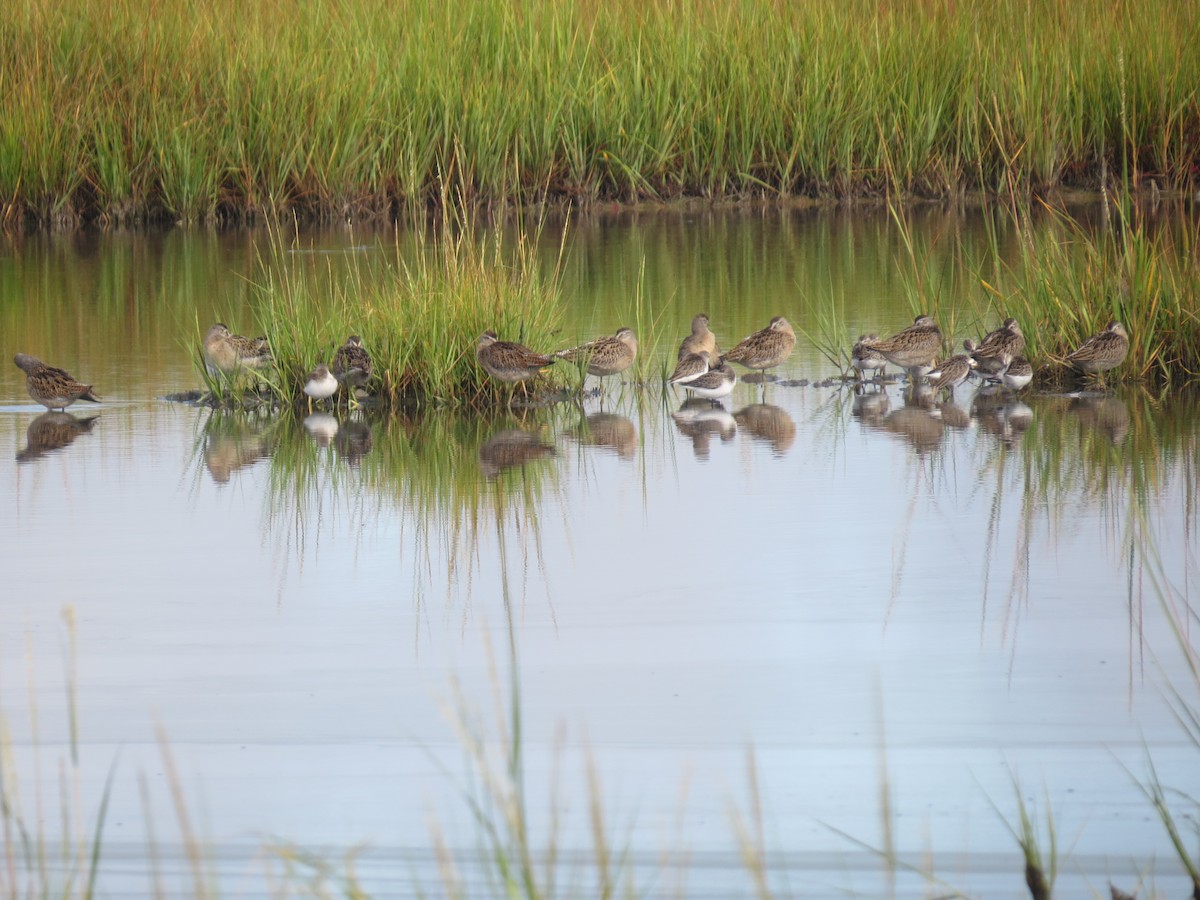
point(690, 367)
point(864, 356)
point(51, 387)
point(765, 349)
point(321, 385)
point(1102, 351)
point(1018, 374)
point(508, 361)
point(716, 382)
point(913, 348)
point(700, 339)
point(998, 348)
point(352, 364)
point(951, 373)
point(607, 355)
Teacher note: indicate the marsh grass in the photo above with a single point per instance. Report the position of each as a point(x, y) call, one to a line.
point(419, 305)
point(208, 112)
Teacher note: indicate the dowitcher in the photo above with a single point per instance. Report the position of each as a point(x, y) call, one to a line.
point(509, 361)
point(864, 356)
point(718, 381)
point(607, 355)
point(913, 348)
point(226, 352)
point(998, 348)
point(352, 363)
point(951, 373)
point(1102, 351)
point(321, 385)
point(690, 367)
point(51, 387)
point(700, 339)
point(765, 349)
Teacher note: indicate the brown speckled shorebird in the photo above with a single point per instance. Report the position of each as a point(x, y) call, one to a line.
point(951, 373)
point(352, 364)
point(509, 361)
point(228, 353)
point(1018, 374)
point(700, 339)
point(765, 349)
point(607, 355)
point(864, 356)
point(913, 348)
point(1102, 351)
point(998, 348)
point(690, 367)
point(51, 387)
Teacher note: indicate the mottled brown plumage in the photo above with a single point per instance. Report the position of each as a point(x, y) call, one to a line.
point(606, 355)
point(52, 431)
point(1102, 351)
point(718, 381)
point(701, 339)
point(951, 373)
point(998, 348)
point(51, 387)
point(864, 357)
point(508, 361)
point(228, 353)
point(690, 367)
point(352, 363)
point(765, 349)
point(915, 346)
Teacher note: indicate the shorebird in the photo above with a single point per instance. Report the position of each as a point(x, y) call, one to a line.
point(998, 348)
point(690, 367)
point(700, 339)
point(951, 373)
point(607, 355)
point(1102, 351)
point(352, 364)
point(509, 361)
point(1018, 374)
point(51, 387)
point(765, 349)
point(227, 353)
point(864, 356)
point(321, 385)
point(913, 348)
point(716, 382)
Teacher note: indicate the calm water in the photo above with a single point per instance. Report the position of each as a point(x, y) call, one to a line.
point(301, 624)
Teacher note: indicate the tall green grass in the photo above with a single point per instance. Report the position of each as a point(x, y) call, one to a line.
point(211, 111)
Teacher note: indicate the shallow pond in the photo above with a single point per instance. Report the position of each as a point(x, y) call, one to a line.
point(776, 637)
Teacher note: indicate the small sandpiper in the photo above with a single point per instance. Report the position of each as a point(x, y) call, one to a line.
point(509, 361)
point(951, 373)
point(700, 339)
point(864, 357)
point(913, 348)
point(765, 349)
point(321, 385)
point(1102, 351)
point(998, 348)
point(51, 387)
point(716, 382)
point(690, 367)
point(1018, 374)
point(352, 363)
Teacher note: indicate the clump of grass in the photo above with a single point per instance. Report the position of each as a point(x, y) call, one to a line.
point(419, 309)
point(1041, 859)
point(209, 112)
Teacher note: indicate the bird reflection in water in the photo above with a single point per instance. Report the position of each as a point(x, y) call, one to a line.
point(769, 423)
point(52, 431)
point(699, 420)
point(1001, 415)
point(322, 427)
point(233, 442)
point(353, 441)
point(917, 421)
point(870, 406)
point(512, 448)
point(1107, 415)
point(609, 431)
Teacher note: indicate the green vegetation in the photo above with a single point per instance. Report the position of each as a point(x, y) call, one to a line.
point(213, 112)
